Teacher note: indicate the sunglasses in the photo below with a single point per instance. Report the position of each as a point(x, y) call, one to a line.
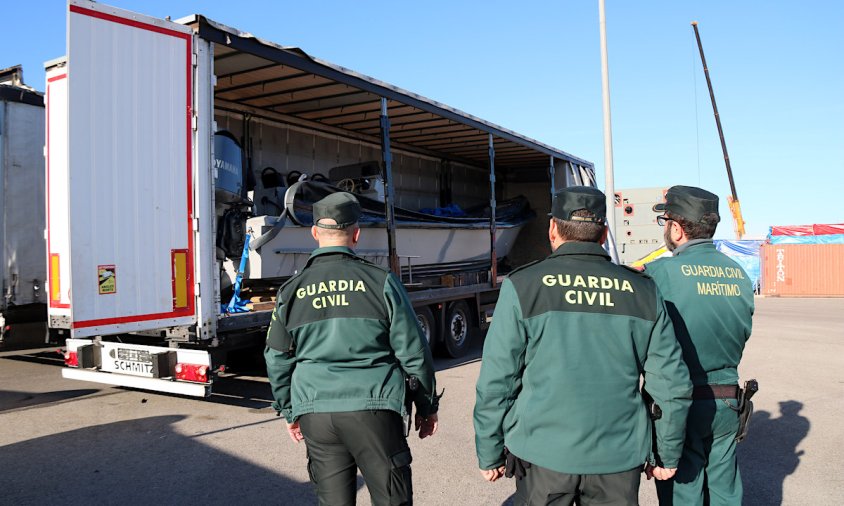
point(661, 220)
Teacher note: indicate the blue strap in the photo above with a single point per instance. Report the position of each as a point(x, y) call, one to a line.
point(236, 304)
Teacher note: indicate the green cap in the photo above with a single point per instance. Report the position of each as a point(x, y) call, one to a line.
point(689, 202)
point(576, 198)
point(341, 207)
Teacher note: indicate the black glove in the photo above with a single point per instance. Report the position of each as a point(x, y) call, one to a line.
point(514, 466)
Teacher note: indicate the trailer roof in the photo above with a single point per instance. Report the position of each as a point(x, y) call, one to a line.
point(285, 83)
point(13, 89)
point(21, 95)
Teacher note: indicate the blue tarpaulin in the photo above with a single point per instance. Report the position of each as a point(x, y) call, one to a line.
point(744, 253)
point(451, 210)
point(807, 239)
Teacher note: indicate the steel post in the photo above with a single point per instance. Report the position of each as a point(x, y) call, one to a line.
point(493, 257)
point(389, 196)
point(609, 189)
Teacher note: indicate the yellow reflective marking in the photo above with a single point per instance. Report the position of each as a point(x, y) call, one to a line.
point(180, 280)
point(55, 287)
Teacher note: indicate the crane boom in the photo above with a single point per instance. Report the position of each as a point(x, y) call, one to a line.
point(732, 200)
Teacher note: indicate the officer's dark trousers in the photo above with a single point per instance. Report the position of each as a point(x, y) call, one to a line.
point(541, 487)
point(708, 472)
point(340, 443)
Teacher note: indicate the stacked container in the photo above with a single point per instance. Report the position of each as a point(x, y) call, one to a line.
point(804, 261)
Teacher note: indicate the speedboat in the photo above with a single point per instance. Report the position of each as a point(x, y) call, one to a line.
point(429, 242)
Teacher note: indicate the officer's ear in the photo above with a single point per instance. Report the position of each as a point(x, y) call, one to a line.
point(356, 235)
point(315, 233)
point(677, 232)
point(553, 233)
point(605, 234)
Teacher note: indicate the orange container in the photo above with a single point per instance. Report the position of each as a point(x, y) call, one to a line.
point(802, 270)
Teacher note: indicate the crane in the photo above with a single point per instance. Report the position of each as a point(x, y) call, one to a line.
point(732, 200)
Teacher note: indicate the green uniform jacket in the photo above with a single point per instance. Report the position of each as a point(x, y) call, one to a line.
point(342, 338)
point(710, 299)
point(559, 382)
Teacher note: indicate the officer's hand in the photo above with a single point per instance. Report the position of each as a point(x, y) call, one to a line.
point(295, 432)
point(426, 426)
point(492, 474)
point(663, 473)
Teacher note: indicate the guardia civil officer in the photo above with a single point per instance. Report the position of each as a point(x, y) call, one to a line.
point(558, 397)
point(342, 339)
point(710, 299)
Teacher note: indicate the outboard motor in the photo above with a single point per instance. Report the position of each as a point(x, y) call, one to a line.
point(228, 162)
point(228, 193)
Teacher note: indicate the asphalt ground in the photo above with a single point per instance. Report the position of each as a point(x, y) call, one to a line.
point(69, 442)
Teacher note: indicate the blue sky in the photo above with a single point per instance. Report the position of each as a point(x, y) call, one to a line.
point(534, 67)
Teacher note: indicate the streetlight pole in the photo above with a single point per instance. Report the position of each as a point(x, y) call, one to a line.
point(608, 165)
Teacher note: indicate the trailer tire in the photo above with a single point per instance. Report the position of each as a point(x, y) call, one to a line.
point(458, 324)
point(428, 323)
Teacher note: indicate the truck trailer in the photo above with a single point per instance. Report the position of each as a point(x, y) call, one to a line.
point(23, 307)
point(176, 164)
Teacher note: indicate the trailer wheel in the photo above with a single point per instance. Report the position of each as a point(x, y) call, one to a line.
point(428, 324)
point(458, 322)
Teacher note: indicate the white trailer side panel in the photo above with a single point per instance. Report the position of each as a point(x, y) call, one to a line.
point(130, 156)
point(58, 237)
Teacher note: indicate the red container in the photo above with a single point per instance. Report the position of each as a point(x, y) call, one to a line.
point(802, 270)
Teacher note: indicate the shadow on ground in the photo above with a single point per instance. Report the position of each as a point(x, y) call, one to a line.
point(12, 400)
point(769, 454)
point(235, 387)
point(52, 357)
point(139, 462)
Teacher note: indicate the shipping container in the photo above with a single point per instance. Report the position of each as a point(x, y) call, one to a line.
point(802, 270)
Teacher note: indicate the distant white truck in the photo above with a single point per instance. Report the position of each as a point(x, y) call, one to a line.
point(23, 310)
point(154, 128)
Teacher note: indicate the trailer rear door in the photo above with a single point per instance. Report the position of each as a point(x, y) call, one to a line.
point(129, 190)
point(58, 242)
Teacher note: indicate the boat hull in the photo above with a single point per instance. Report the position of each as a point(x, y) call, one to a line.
point(417, 245)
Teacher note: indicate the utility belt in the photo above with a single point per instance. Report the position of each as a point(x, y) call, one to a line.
point(744, 406)
point(704, 392)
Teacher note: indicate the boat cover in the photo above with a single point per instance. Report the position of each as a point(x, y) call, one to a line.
point(301, 196)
